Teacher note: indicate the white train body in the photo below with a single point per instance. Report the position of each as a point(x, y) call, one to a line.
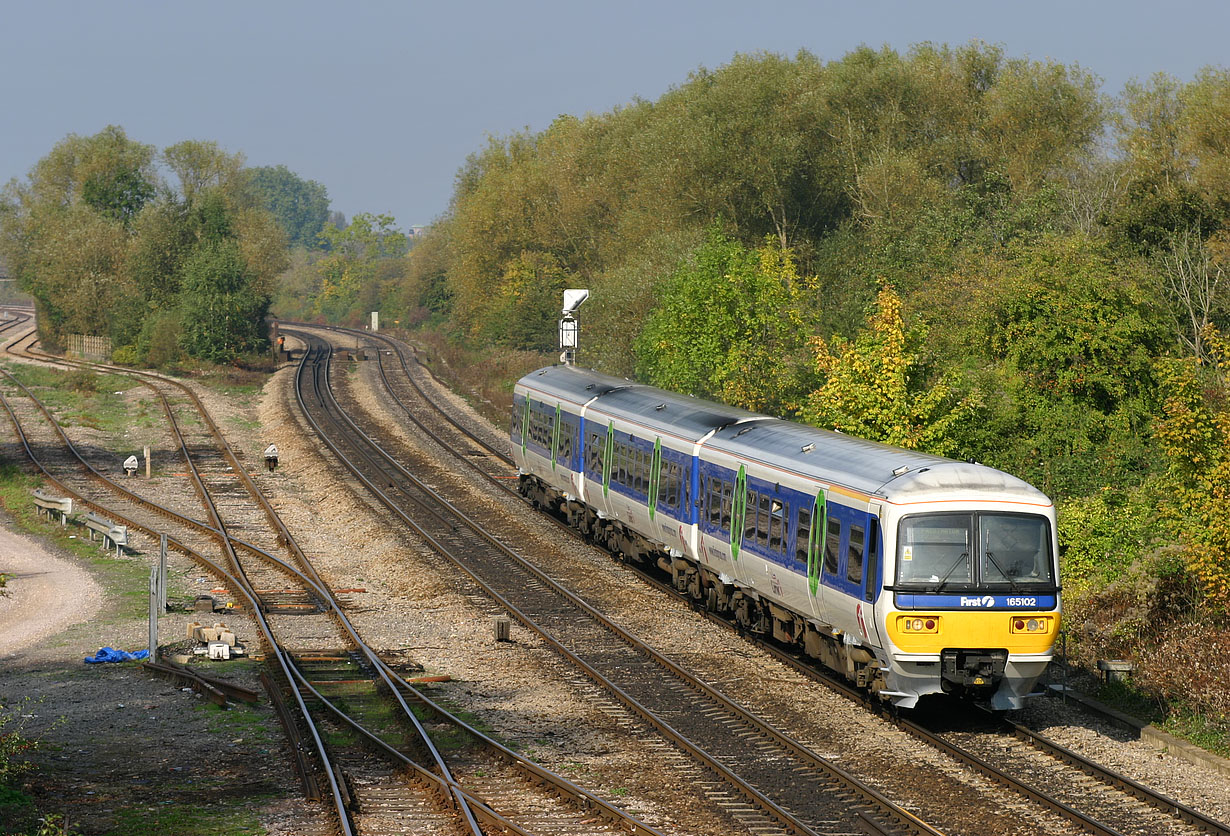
point(910, 573)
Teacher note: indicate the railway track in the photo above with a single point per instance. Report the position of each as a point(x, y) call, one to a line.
point(1095, 799)
point(369, 708)
point(795, 787)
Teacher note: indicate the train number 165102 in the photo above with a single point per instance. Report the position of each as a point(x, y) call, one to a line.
point(1022, 602)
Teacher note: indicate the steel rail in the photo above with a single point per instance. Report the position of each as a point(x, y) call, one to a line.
point(353, 432)
point(238, 584)
point(342, 815)
point(1103, 774)
point(562, 783)
point(391, 679)
point(239, 577)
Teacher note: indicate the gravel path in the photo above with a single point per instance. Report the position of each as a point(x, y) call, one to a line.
point(45, 594)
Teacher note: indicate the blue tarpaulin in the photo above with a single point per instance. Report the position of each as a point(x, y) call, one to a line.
point(110, 654)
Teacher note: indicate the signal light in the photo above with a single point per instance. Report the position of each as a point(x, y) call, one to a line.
point(918, 624)
point(1031, 625)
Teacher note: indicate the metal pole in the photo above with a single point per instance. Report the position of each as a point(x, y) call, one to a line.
point(162, 574)
point(153, 614)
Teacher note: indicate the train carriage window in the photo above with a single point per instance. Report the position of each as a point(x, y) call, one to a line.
point(570, 440)
point(854, 555)
point(832, 546)
point(713, 500)
point(669, 495)
point(762, 519)
point(641, 486)
point(802, 535)
point(749, 516)
point(778, 512)
point(727, 495)
point(593, 453)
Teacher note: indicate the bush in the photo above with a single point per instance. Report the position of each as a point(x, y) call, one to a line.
point(1190, 667)
point(82, 380)
point(1103, 534)
point(126, 355)
point(13, 745)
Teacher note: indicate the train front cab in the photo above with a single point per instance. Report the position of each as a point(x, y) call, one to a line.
point(975, 607)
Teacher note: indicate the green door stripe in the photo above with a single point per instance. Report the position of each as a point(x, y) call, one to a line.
point(739, 513)
point(815, 541)
point(655, 471)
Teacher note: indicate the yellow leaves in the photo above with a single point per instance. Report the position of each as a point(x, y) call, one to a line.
point(1196, 440)
point(869, 390)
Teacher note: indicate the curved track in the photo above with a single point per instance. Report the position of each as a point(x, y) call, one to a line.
point(794, 786)
point(1096, 799)
point(543, 804)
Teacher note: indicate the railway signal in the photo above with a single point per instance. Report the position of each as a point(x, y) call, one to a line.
point(569, 328)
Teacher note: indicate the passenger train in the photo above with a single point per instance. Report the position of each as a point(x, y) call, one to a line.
point(911, 574)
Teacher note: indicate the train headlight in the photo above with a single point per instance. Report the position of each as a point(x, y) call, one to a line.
point(918, 624)
point(1039, 625)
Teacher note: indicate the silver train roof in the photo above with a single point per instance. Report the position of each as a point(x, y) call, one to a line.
point(835, 458)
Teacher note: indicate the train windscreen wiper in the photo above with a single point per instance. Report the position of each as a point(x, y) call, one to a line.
point(1006, 576)
point(944, 580)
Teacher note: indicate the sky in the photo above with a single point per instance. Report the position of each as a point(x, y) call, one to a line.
point(383, 101)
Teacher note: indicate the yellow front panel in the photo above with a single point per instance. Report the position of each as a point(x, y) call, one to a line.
point(967, 628)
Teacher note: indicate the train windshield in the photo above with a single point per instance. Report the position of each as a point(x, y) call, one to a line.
point(975, 551)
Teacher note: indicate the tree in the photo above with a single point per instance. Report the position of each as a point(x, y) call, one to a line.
point(349, 273)
point(1207, 133)
point(65, 231)
point(300, 206)
point(728, 326)
point(876, 388)
point(1195, 283)
point(1195, 437)
point(204, 165)
point(1076, 324)
point(222, 311)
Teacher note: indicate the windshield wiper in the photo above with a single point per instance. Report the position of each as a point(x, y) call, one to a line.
point(1007, 577)
point(948, 574)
